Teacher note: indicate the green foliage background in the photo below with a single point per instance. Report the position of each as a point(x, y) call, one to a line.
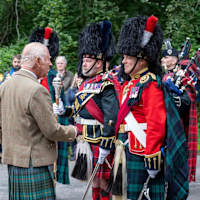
point(178, 18)
point(68, 17)
point(18, 18)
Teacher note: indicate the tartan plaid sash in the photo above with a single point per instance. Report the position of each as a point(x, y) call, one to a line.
point(176, 154)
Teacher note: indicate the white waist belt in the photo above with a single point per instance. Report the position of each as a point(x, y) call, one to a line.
point(80, 120)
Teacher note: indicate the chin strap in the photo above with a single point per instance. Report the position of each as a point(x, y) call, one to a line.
point(91, 67)
point(134, 66)
point(104, 66)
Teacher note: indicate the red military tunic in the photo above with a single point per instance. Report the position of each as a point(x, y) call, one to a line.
point(149, 110)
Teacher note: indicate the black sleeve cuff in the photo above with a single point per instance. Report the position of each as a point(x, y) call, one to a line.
point(153, 161)
point(107, 142)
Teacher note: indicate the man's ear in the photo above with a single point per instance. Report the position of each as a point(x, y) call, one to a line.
point(99, 64)
point(142, 62)
point(38, 61)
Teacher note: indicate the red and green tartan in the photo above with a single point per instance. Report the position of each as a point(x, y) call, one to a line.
point(192, 135)
point(99, 194)
point(33, 183)
point(103, 171)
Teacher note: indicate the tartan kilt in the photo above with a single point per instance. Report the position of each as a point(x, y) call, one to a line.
point(62, 171)
point(103, 171)
point(137, 176)
point(33, 183)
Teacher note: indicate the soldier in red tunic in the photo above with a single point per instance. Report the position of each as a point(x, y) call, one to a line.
point(142, 115)
point(148, 127)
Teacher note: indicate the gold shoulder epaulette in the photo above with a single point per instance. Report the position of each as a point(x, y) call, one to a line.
point(146, 77)
point(153, 76)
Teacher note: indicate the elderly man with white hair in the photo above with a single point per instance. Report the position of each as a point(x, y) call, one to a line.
point(28, 128)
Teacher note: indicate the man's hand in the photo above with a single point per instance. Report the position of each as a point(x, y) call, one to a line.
point(58, 109)
point(103, 153)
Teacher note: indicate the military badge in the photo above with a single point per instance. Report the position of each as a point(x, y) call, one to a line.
point(92, 88)
point(169, 51)
point(134, 92)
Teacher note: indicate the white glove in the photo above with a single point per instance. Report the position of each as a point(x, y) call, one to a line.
point(152, 173)
point(102, 155)
point(177, 101)
point(58, 109)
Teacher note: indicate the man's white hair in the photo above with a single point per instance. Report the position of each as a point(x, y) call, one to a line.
point(61, 58)
point(35, 50)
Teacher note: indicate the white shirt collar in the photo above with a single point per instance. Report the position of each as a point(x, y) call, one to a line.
point(30, 72)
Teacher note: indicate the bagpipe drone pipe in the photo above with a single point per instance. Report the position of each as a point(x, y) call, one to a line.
point(186, 73)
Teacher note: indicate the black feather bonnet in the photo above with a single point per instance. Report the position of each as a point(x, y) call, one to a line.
point(131, 36)
point(96, 40)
